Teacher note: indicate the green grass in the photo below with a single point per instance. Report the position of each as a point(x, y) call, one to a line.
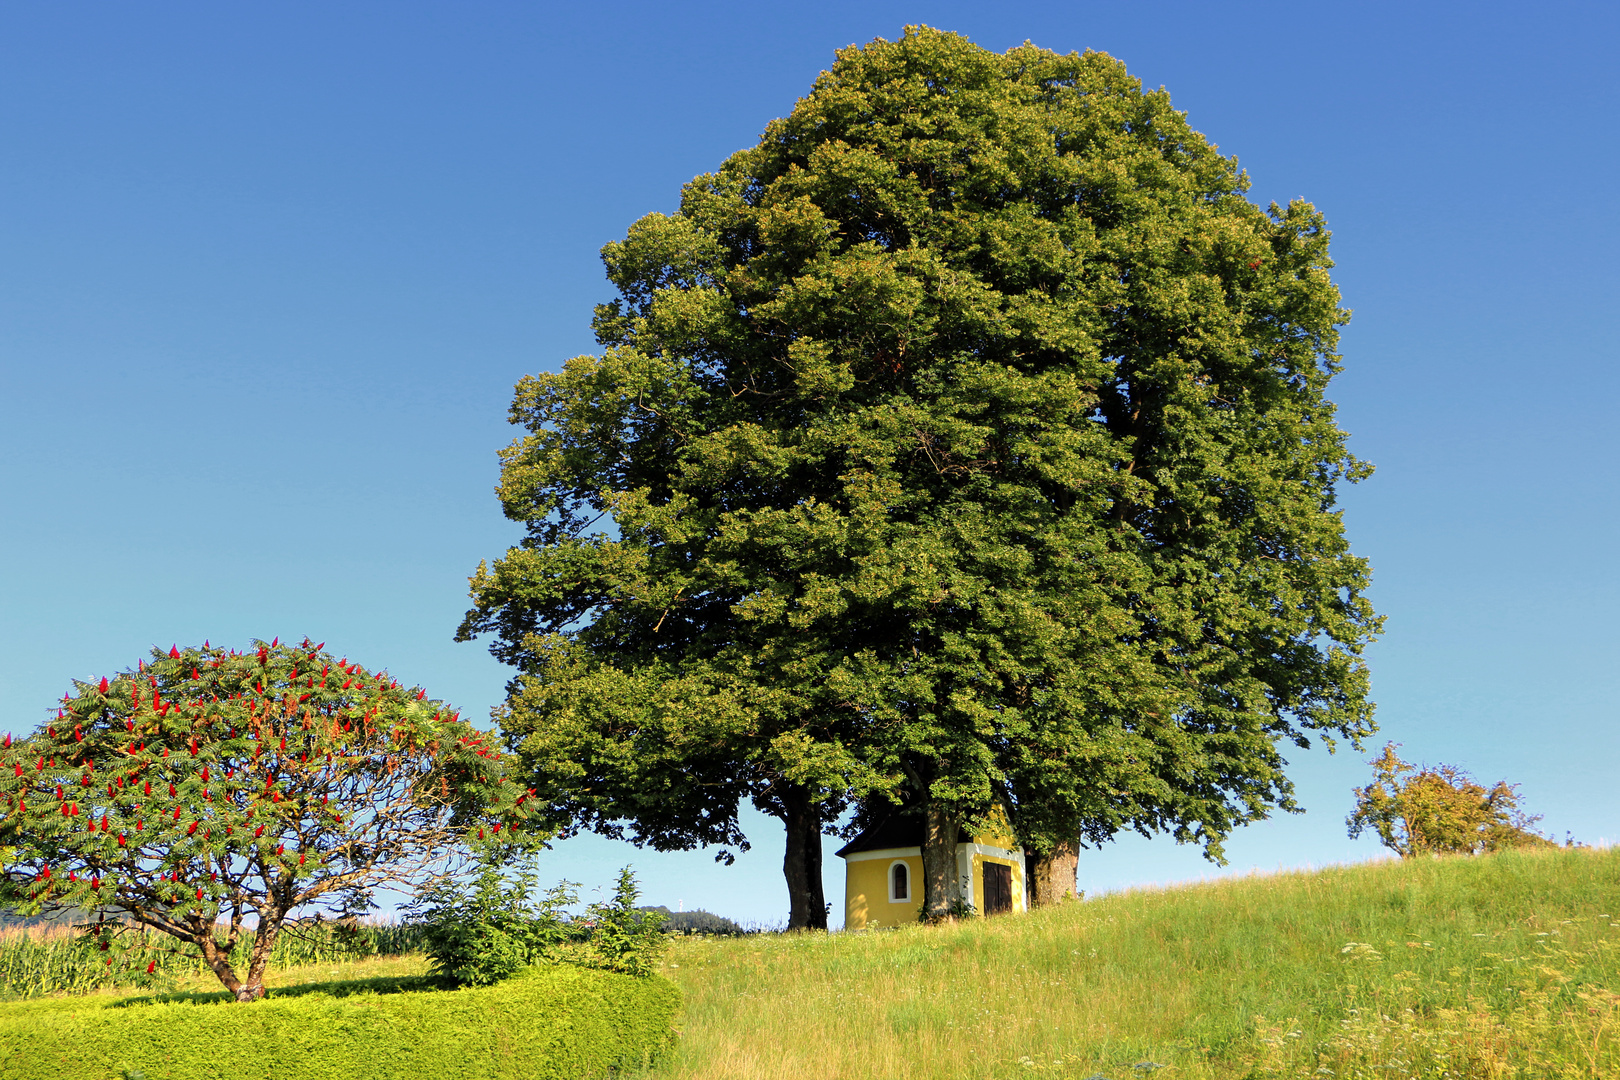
point(1504, 966)
point(1500, 966)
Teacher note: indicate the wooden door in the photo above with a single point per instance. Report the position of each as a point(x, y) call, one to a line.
point(997, 888)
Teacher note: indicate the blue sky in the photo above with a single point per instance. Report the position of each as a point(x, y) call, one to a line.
point(269, 272)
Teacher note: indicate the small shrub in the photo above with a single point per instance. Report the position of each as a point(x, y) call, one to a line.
point(623, 937)
point(478, 932)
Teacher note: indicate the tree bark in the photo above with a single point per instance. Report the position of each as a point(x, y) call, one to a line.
point(801, 865)
point(218, 961)
point(1052, 875)
point(263, 942)
point(940, 890)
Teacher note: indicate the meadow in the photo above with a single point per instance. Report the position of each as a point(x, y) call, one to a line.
point(1498, 966)
point(1502, 966)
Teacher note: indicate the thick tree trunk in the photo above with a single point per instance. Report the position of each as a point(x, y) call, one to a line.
point(1052, 875)
point(801, 865)
point(940, 888)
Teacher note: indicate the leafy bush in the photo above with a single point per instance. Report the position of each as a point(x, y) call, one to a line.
point(481, 930)
point(546, 1023)
point(622, 937)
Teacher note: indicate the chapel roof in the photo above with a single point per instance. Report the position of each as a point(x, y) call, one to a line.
point(901, 829)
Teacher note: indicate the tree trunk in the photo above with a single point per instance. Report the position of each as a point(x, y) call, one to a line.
point(218, 960)
point(801, 865)
point(940, 889)
point(1052, 875)
point(263, 941)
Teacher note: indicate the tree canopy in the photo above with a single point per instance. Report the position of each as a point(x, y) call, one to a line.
point(963, 442)
point(209, 785)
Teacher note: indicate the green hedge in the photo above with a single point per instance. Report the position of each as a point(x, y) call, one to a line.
point(562, 1022)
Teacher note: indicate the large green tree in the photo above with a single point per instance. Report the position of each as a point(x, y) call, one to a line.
point(965, 441)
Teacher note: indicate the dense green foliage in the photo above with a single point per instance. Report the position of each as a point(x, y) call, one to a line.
point(547, 1024)
point(207, 790)
point(1497, 967)
point(965, 441)
point(1440, 811)
point(481, 929)
point(41, 961)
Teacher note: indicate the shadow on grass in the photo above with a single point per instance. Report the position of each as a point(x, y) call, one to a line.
point(382, 984)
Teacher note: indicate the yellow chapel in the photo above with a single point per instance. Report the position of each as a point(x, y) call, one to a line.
point(883, 872)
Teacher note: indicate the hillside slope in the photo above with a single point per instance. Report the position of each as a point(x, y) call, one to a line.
point(1500, 966)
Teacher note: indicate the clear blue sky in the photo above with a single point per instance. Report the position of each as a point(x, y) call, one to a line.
point(269, 271)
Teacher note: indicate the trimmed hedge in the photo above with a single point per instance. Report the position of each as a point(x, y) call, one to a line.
point(549, 1022)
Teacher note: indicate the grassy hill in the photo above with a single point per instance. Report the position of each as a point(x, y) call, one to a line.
point(1504, 967)
point(1500, 966)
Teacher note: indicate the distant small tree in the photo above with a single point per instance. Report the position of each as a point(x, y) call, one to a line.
point(206, 787)
point(697, 921)
point(1440, 811)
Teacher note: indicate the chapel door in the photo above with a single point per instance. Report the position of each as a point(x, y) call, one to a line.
point(997, 888)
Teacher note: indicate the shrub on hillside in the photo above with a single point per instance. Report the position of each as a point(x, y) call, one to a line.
point(622, 937)
point(479, 930)
point(1440, 811)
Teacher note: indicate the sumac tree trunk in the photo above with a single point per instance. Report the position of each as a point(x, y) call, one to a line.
point(263, 942)
point(217, 958)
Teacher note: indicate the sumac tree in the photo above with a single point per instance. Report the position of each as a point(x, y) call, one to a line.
point(209, 791)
